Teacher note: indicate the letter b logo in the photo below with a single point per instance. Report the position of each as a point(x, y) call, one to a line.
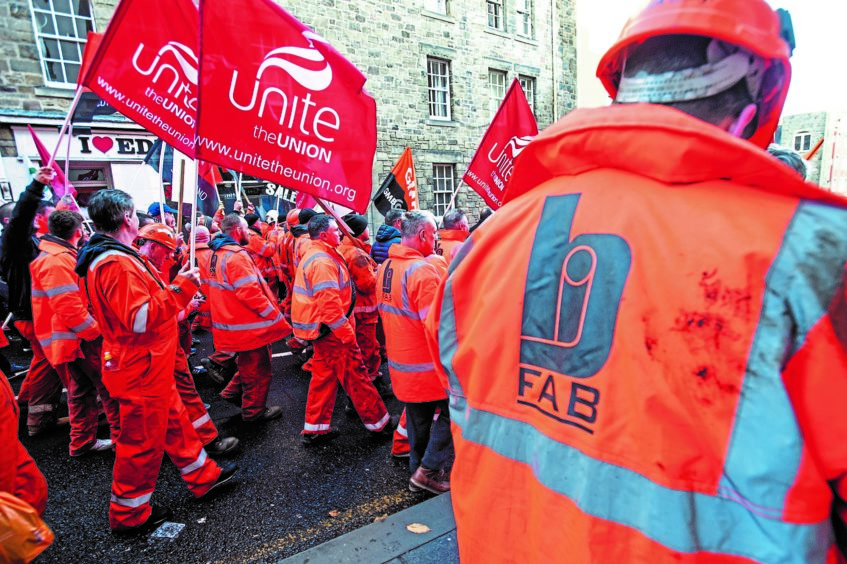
point(572, 295)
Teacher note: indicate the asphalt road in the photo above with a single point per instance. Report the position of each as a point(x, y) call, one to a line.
point(286, 498)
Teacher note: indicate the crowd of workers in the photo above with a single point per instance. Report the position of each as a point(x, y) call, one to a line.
point(645, 349)
point(110, 316)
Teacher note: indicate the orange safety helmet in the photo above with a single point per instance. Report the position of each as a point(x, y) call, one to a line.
point(158, 233)
point(750, 24)
point(293, 217)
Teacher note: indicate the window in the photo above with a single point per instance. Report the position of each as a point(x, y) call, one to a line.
point(495, 14)
point(528, 85)
point(438, 85)
point(61, 28)
point(526, 25)
point(437, 6)
point(88, 178)
point(496, 89)
point(443, 181)
point(802, 141)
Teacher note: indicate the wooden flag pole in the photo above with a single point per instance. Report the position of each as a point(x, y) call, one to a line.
point(192, 252)
point(68, 156)
point(181, 195)
point(162, 183)
point(67, 121)
point(341, 224)
point(452, 199)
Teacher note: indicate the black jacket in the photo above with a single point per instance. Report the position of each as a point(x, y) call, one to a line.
point(19, 247)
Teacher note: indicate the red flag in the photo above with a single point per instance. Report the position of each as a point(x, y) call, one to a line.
point(92, 45)
point(146, 67)
point(305, 201)
point(278, 102)
point(512, 128)
point(59, 184)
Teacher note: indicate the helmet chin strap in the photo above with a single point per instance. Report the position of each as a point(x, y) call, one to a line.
point(743, 120)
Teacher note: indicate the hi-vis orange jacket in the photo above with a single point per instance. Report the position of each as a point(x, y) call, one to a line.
point(322, 295)
point(645, 350)
point(448, 243)
point(406, 284)
point(362, 270)
point(59, 310)
point(262, 252)
point(244, 311)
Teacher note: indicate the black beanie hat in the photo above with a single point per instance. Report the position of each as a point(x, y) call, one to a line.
point(357, 223)
point(305, 215)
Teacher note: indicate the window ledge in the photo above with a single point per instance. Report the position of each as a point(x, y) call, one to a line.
point(527, 40)
point(55, 92)
point(442, 123)
point(438, 16)
point(497, 32)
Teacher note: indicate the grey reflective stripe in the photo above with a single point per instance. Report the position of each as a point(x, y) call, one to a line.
point(58, 336)
point(196, 465)
point(328, 285)
point(313, 258)
point(247, 326)
point(302, 291)
point(365, 309)
point(422, 367)
point(139, 325)
point(243, 281)
point(318, 427)
point(448, 344)
point(199, 422)
point(132, 501)
point(398, 311)
point(96, 262)
point(84, 325)
point(338, 322)
point(423, 313)
point(57, 291)
point(305, 326)
point(379, 425)
point(401, 430)
point(268, 310)
point(404, 292)
point(40, 408)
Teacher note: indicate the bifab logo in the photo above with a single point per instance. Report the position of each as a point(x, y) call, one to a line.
point(308, 67)
point(573, 291)
point(176, 65)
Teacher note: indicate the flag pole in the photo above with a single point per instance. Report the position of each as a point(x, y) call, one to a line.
point(68, 156)
point(162, 182)
point(192, 253)
point(452, 200)
point(181, 197)
point(71, 111)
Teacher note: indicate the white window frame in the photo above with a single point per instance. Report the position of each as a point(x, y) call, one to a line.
point(438, 88)
point(77, 42)
point(495, 12)
point(436, 6)
point(443, 186)
point(803, 141)
point(496, 89)
point(528, 85)
point(526, 18)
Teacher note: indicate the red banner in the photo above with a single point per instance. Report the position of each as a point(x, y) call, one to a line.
point(512, 128)
point(146, 67)
point(278, 102)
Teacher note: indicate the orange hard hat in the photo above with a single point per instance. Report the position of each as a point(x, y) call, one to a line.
point(158, 233)
point(293, 217)
point(750, 24)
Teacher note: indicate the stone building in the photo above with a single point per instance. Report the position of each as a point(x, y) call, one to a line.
point(828, 167)
point(437, 69)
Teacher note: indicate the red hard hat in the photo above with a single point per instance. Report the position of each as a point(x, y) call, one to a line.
point(293, 217)
point(750, 24)
point(158, 233)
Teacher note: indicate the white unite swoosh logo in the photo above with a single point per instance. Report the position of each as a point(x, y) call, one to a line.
point(185, 57)
point(315, 80)
point(518, 144)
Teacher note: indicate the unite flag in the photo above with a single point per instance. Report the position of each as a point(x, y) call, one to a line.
point(277, 101)
point(512, 128)
point(400, 188)
point(146, 68)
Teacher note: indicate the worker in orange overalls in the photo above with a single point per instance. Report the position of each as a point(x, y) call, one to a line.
point(406, 284)
point(157, 244)
point(646, 346)
point(19, 475)
point(137, 315)
point(454, 233)
point(202, 254)
point(262, 252)
point(285, 261)
point(321, 312)
point(362, 270)
point(245, 320)
point(68, 333)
